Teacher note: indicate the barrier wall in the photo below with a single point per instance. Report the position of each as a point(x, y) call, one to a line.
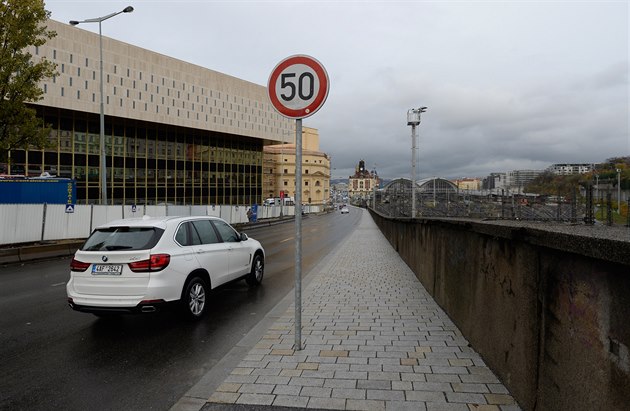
point(25, 223)
point(546, 307)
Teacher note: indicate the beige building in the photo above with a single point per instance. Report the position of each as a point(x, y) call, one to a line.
point(362, 183)
point(279, 169)
point(468, 183)
point(175, 132)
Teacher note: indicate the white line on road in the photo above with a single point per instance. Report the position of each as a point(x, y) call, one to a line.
point(286, 239)
point(57, 285)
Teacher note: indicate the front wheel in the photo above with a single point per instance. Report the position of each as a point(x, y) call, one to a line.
point(194, 298)
point(255, 276)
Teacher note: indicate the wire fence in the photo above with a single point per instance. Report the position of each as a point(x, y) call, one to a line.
point(582, 207)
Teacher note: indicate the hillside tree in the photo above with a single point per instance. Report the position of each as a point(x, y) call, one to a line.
point(22, 26)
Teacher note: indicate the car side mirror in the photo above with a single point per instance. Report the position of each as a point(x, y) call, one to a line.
point(244, 237)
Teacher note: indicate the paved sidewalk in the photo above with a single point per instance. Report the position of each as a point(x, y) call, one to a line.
point(373, 339)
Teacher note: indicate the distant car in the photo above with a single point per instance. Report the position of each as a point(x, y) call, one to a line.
point(345, 210)
point(143, 264)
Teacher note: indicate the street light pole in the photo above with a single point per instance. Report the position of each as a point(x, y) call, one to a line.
point(619, 191)
point(103, 165)
point(413, 119)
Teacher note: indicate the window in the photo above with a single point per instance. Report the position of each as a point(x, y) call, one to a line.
point(227, 233)
point(206, 231)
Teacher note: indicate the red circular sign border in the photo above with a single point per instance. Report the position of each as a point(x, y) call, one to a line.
point(322, 93)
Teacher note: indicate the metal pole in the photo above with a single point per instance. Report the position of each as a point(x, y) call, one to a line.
point(619, 191)
point(298, 234)
point(103, 165)
point(413, 171)
point(103, 168)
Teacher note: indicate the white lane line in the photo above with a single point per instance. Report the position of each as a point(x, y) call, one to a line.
point(286, 239)
point(57, 285)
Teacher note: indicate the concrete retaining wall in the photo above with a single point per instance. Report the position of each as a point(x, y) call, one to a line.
point(547, 308)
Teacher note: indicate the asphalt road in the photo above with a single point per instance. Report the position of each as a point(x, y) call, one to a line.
point(54, 358)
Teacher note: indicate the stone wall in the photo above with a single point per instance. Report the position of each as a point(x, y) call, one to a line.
point(547, 307)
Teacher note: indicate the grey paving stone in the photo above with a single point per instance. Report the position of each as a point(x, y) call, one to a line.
point(347, 393)
point(327, 403)
point(465, 397)
point(256, 399)
point(386, 395)
point(365, 405)
point(290, 401)
point(316, 392)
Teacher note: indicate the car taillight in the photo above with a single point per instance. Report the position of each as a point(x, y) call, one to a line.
point(76, 265)
point(156, 262)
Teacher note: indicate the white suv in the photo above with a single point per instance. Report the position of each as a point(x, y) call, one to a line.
point(142, 264)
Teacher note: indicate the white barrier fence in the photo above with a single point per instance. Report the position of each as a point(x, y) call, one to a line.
point(23, 223)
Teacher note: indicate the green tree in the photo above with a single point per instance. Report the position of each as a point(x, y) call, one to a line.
point(22, 25)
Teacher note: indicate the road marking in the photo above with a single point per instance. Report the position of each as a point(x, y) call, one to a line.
point(57, 285)
point(286, 239)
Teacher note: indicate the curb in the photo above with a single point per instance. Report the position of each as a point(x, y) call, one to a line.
point(39, 252)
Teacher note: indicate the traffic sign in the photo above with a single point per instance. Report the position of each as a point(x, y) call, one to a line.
point(69, 208)
point(298, 86)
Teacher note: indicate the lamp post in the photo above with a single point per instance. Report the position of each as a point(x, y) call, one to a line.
point(413, 119)
point(619, 191)
point(103, 165)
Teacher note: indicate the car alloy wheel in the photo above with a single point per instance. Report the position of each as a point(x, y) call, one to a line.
point(255, 277)
point(195, 298)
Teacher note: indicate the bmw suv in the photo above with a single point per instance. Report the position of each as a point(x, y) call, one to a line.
point(143, 264)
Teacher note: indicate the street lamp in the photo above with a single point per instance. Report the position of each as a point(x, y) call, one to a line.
point(619, 191)
point(413, 119)
point(103, 167)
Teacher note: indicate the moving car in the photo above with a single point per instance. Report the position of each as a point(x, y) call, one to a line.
point(345, 210)
point(143, 264)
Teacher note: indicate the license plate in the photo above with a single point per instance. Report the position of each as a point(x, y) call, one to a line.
point(107, 269)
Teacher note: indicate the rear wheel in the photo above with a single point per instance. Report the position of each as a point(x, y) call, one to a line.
point(255, 276)
point(194, 298)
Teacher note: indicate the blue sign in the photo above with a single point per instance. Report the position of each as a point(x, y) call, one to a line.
point(133, 208)
point(69, 208)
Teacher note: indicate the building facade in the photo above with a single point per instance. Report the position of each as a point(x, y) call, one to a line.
point(280, 167)
point(362, 183)
point(568, 169)
point(516, 180)
point(471, 184)
point(175, 132)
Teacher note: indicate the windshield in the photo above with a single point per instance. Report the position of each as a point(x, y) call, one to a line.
point(123, 238)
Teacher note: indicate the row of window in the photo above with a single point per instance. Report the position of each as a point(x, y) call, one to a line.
point(210, 93)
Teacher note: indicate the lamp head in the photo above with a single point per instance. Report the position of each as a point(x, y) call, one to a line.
point(73, 22)
point(128, 9)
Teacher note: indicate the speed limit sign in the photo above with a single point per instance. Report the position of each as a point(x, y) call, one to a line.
point(298, 86)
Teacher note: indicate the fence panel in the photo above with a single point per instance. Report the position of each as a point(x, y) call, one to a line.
point(178, 210)
point(102, 214)
point(21, 223)
point(155, 211)
point(213, 210)
point(198, 210)
point(61, 225)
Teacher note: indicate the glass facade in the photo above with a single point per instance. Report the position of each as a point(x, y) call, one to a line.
point(147, 163)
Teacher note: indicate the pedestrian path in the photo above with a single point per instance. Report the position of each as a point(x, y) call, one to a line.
point(373, 339)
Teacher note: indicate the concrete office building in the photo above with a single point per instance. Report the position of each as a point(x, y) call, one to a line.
point(175, 132)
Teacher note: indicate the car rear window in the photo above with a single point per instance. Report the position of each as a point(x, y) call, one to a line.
point(123, 238)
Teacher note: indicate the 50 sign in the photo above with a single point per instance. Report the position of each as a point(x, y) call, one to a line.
point(298, 86)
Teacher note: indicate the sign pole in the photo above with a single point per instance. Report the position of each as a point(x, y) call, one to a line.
point(298, 234)
point(298, 87)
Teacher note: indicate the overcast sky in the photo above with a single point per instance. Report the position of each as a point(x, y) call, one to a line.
point(508, 84)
